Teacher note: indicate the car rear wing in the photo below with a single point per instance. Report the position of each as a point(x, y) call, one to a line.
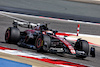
point(24, 24)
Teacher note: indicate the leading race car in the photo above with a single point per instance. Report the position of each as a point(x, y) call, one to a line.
point(41, 38)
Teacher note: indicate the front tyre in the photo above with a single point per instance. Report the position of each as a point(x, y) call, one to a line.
point(46, 43)
point(82, 45)
point(39, 43)
point(12, 35)
point(43, 43)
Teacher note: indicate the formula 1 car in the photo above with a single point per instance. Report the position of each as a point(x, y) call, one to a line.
point(41, 38)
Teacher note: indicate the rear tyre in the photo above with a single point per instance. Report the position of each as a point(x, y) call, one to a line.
point(82, 45)
point(12, 35)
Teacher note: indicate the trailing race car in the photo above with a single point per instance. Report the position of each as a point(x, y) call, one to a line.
point(41, 38)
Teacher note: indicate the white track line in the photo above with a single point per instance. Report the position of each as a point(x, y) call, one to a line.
point(36, 55)
point(13, 52)
point(85, 35)
point(5, 14)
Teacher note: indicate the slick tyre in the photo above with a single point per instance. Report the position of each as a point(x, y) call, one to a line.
point(43, 43)
point(83, 45)
point(12, 35)
point(46, 43)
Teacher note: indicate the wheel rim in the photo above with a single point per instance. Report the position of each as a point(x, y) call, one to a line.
point(39, 43)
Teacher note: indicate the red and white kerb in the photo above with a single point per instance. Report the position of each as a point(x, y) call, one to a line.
point(78, 28)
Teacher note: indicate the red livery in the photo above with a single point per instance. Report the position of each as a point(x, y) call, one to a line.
point(43, 39)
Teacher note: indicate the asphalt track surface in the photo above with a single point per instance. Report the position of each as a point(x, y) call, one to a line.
point(54, 8)
point(6, 22)
point(60, 9)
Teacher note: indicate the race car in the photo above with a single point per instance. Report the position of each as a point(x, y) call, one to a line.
point(40, 37)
